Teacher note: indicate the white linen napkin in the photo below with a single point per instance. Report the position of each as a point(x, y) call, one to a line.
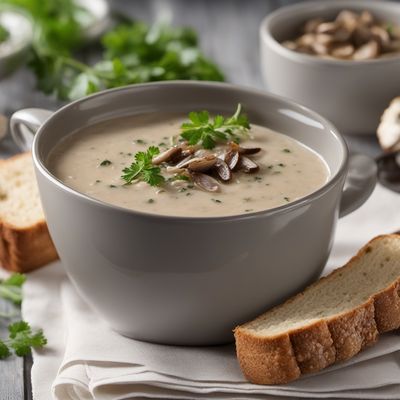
point(84, 359)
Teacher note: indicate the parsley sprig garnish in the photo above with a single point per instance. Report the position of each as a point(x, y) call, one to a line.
point(21, 337)
point(143, 169)
point(208, 131)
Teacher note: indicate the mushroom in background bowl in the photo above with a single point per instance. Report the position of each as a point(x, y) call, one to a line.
point(349, 36)
point(351, 93)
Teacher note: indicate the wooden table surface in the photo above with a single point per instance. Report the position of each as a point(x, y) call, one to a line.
point(228, 31)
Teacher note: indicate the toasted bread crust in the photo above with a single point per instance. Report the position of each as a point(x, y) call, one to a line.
point(25, 249)
point(314, 347)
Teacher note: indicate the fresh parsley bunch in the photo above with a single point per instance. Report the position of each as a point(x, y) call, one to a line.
point(133, 52)
point(143, 169)
point(208, 131)
point(21, 336)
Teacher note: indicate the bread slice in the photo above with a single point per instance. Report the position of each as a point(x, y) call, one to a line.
point(25, 243)
point(331, 321)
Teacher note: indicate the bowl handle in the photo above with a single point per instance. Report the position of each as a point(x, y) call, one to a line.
point(25, 123)
point(360, 183)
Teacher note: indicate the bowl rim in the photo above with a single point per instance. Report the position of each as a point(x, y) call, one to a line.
point(332, 181)
point(267, 38)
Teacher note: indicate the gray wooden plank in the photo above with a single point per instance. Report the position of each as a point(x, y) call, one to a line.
point(11, 369)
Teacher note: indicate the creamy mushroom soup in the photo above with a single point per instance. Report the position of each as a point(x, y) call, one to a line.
point(267, 169)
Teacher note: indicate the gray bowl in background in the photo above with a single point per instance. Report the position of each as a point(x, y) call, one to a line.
point(352, 94)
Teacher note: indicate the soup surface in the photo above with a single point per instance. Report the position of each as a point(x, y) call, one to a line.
point(91, 161)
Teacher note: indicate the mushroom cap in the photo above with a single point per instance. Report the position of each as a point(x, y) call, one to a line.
point(389, 128)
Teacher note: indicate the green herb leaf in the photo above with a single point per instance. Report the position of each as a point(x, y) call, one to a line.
point(4, 34)
point(11, 288)
point(4, 350)
point(133, 53)
point(22, 338)
point(143, 169)
point(207, 131)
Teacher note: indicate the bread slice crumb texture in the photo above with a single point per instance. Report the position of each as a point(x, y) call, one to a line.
point(20, 205)
point(345, 289)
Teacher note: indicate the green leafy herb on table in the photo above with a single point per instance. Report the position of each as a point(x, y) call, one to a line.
point(4, 34)
point(143, 169)
point(208, 131)
point(134, 53)
point(21, 339)
point(11, 288)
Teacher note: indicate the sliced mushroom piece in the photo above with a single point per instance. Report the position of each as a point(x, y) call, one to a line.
point(244, 150)
point(320, 49)
point(328, 27)
point(174, 170)
point(368, 51)
point(232, 159)
point(306, 40)
point(312, 25)
point(342, 51)
point(223, 170)
point(324, 38)
point(366, 18)
point(382, 35)
point(205, 182)
point(185, 162)
point(249, 150)
point(246, 165)
point(348, 19)
point(167, 155)
point(202, 164)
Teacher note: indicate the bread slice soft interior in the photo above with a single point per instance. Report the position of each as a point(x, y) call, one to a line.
point(332, 320)
point(25, 243)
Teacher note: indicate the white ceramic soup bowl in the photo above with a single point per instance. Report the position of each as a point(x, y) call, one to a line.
point(182, 280)
point(352, 94)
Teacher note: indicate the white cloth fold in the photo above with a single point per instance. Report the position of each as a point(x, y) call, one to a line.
point(84, 359)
